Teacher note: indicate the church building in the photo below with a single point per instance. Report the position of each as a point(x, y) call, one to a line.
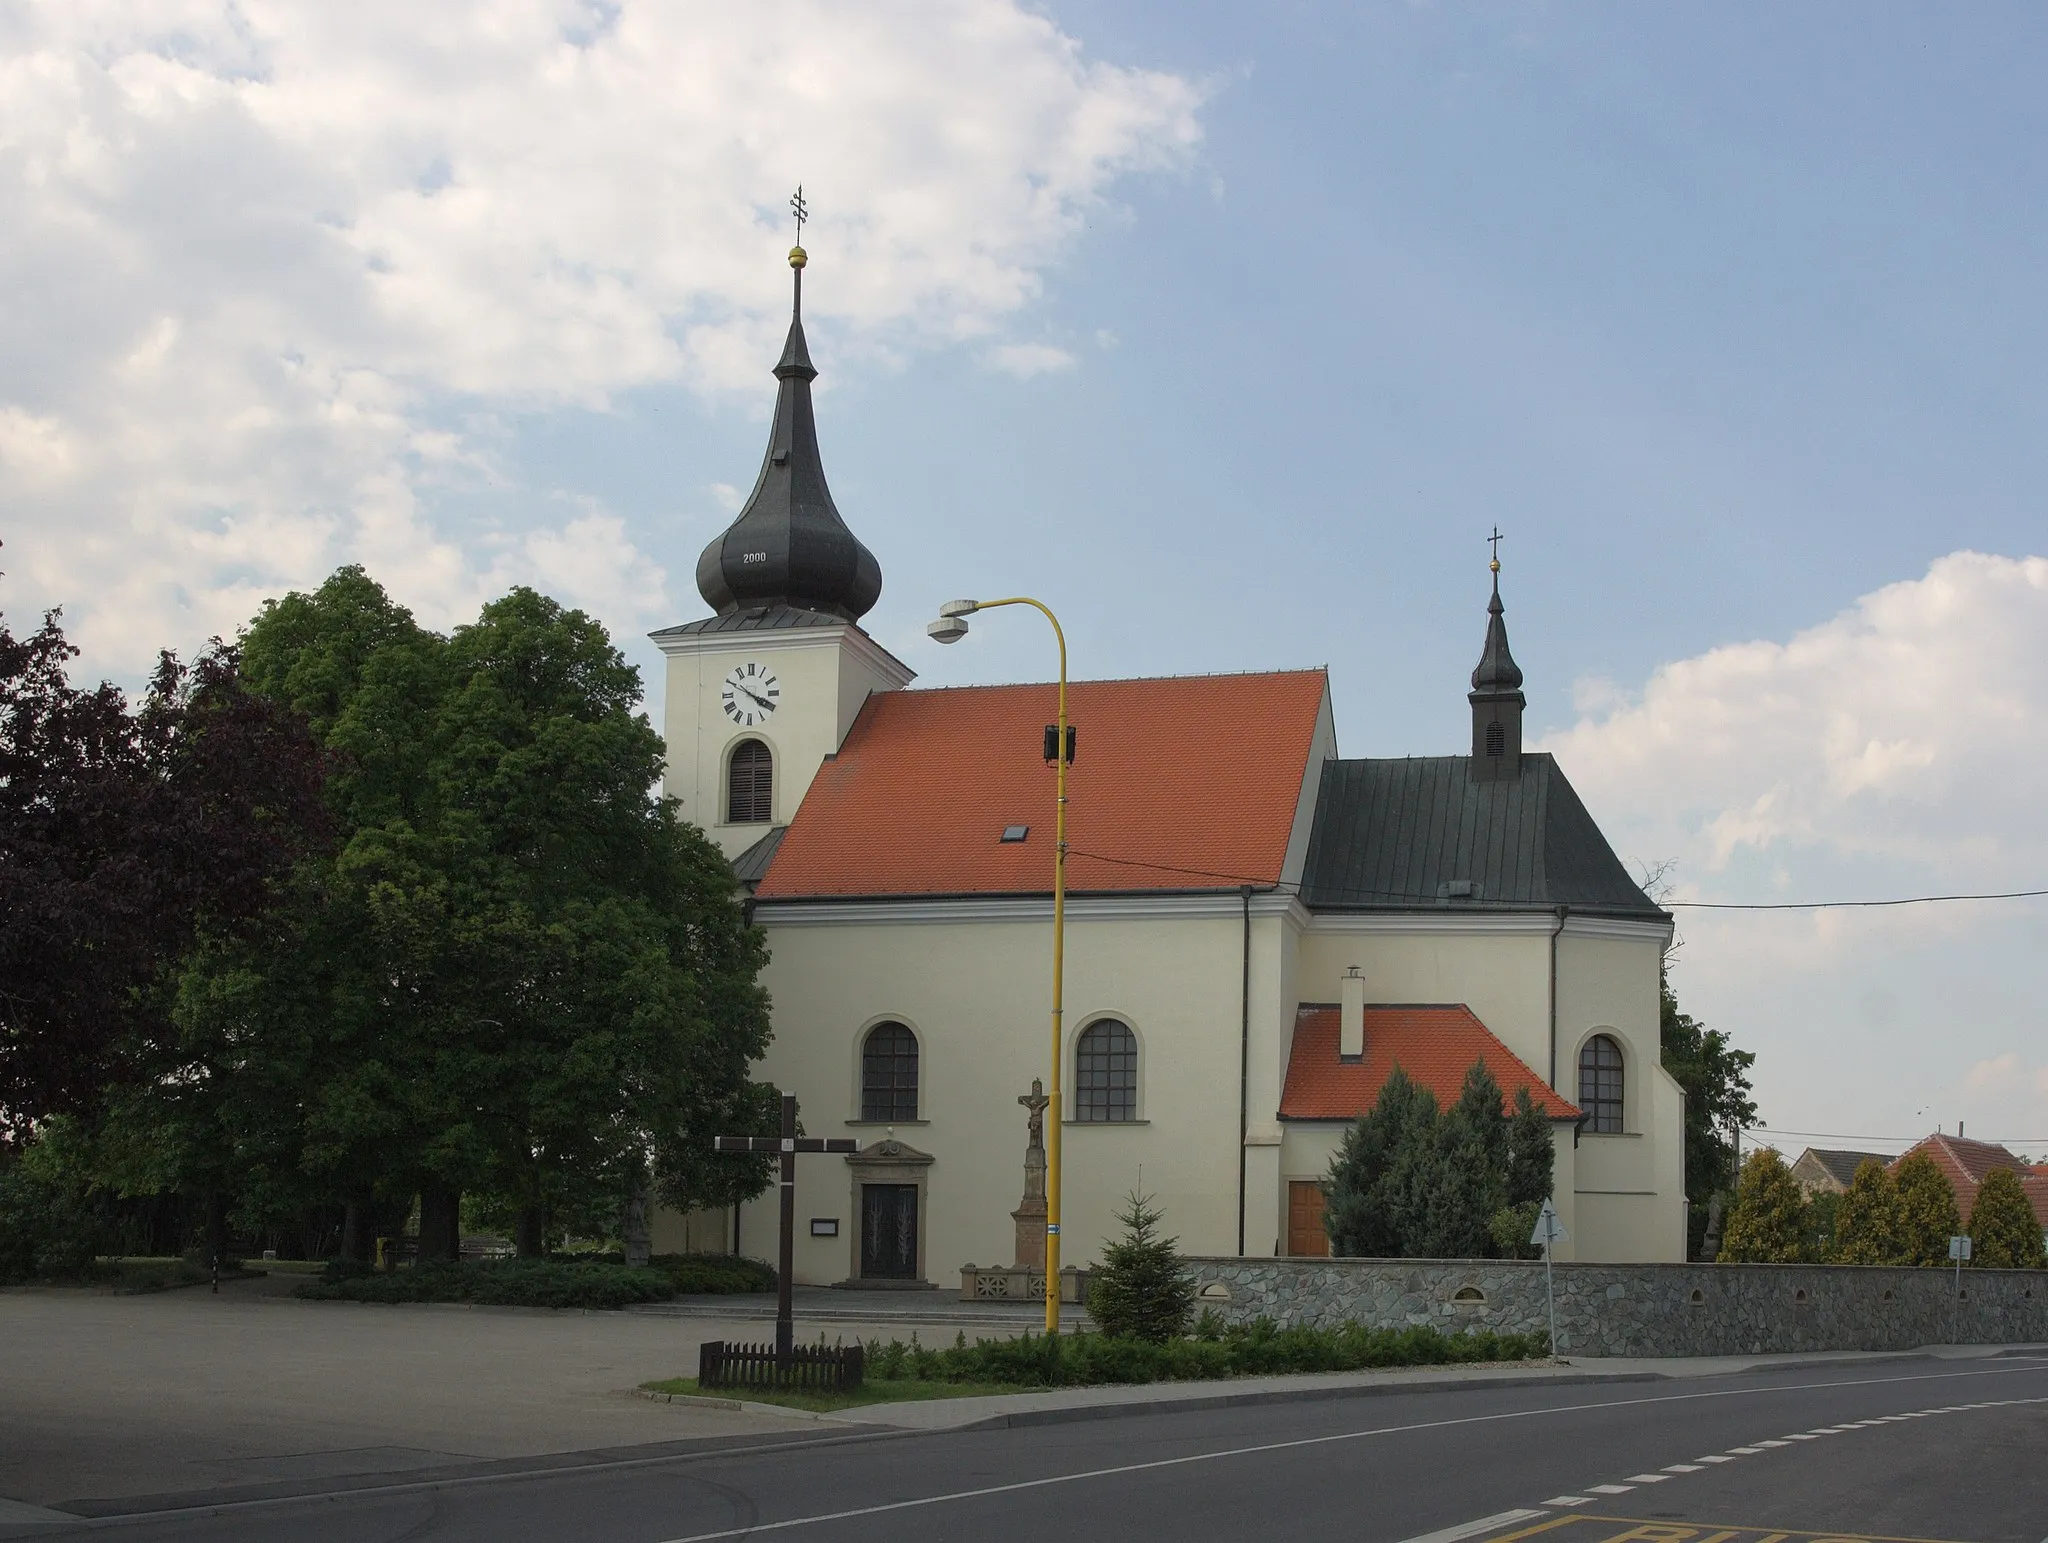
point(1258, 930)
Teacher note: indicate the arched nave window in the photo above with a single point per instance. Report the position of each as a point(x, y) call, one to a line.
point(750, 784)
point(1106, 1072)
point(888, 1074)
point(1600, 1084)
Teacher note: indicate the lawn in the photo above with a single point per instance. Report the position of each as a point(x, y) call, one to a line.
point(873, 1391)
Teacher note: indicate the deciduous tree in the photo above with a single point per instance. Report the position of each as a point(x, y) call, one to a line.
point(126, 833)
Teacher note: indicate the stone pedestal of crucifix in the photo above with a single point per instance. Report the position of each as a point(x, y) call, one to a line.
point(1024, 1280)
point(1030, 1215)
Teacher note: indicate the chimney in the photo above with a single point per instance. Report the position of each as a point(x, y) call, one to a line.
point(1351, 1016)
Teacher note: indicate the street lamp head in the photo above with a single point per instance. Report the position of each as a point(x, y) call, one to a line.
point(959, 607)
point(948, 629)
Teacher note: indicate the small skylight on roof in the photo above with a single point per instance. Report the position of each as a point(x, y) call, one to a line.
point(1016, 832)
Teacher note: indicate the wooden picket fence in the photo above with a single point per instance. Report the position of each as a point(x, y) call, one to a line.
point(819, 1368)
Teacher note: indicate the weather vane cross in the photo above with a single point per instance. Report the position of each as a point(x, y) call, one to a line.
point(1494, 541)
point(801, 210)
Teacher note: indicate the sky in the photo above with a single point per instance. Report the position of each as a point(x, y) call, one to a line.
point(1230, 331)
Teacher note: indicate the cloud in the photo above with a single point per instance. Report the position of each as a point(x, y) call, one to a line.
point(1898, 730)
point(273, 268)
point(1890, 750)
point(1024, 360)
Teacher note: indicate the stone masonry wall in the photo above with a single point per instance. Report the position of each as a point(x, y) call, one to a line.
point(1643, 1309)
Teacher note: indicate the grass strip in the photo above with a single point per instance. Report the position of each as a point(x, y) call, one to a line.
point(873, 1391)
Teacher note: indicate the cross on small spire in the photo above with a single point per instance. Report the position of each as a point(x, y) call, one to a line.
point(801, 210)
point(1494, 541)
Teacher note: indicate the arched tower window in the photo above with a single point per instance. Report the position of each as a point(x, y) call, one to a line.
point(888, 1074)
point(1106, 1072)
point(750, 784)
point(1600, 1084)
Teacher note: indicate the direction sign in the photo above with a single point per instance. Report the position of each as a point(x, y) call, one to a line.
point(1959, 1248)
point(1548, 1228)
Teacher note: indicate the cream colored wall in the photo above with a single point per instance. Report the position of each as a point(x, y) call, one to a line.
point(825, 675)
point(1501, 973)
point(1630, 1188)
point(977, 995)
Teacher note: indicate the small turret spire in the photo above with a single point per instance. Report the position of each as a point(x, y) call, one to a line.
point(789, 546)
point(1496, 694)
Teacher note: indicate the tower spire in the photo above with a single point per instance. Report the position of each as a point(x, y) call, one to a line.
point(789, 547)
point(1496, 694)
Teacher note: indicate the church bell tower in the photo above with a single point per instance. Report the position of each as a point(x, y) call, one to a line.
point(761, 692)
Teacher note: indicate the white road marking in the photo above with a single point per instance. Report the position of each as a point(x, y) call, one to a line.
point(1299, 1443)
point(1649, 1478)
point(1801, 1435)
point(1774, 1443)
point(1718, 1457)
point(1568, 1500)
point(1610, 1489)
point(1471, 1529)
point(1681, 1467)
point(1745, 1451)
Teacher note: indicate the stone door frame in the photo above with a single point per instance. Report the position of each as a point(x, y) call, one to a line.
point(889, 1162)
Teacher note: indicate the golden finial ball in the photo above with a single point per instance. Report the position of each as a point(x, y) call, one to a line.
point(798, 257)
point(1494, 565)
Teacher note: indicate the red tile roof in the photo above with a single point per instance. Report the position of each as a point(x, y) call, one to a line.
point(1966, 1164)
point(1435, 1046)
point(1199, 773)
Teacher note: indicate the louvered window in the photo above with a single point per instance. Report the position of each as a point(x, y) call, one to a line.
point(1600, 1085)
point(1496, 739)
point(750, 784)
point(888, 1073)
point(1106, 1072)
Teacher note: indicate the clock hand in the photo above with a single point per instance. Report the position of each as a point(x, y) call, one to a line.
point(760, 699)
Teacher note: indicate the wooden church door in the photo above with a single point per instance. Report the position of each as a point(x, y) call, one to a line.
point(1305, 1233)
point(888, 1231)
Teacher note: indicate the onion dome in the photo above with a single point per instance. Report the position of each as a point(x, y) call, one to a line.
point(789, 547)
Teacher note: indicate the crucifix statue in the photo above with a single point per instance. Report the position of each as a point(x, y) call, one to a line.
point(1030, 1216)
point(789, 1143)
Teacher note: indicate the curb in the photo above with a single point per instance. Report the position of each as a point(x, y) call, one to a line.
point(1074, 1413)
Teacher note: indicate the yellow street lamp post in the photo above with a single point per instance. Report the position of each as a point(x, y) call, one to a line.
point(951, 627)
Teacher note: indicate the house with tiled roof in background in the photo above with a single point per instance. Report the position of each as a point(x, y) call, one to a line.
point(1830, 1171)
point(1258, 929)
point(1966, 1164)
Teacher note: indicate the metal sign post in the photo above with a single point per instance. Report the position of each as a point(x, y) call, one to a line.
point(1958, 1250)
point(1549, 1230)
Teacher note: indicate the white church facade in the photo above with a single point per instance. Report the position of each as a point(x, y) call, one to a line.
point(1258, 930)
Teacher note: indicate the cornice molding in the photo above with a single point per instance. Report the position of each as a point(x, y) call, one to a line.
point(1011, 908)
point(677, 645)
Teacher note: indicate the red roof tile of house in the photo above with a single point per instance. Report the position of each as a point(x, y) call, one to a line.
point(1966, 1164)
point(1435, 1046)
point(1191, 782)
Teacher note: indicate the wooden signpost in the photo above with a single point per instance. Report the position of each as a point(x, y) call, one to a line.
point(789, 1143)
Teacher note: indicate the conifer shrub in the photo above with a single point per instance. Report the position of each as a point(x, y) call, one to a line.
point(2004, 1232)
point(1928, 1217)
point(1767, 1223)
point(1142, 1289)
point(1867, 1218)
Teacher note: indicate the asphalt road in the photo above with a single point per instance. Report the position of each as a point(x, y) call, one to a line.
point(1902, 1449)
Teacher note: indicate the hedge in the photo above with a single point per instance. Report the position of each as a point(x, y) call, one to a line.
point(1260, 1348)
point(542, 1282)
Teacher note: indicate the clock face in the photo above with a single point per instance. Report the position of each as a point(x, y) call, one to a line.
point(750, 694)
